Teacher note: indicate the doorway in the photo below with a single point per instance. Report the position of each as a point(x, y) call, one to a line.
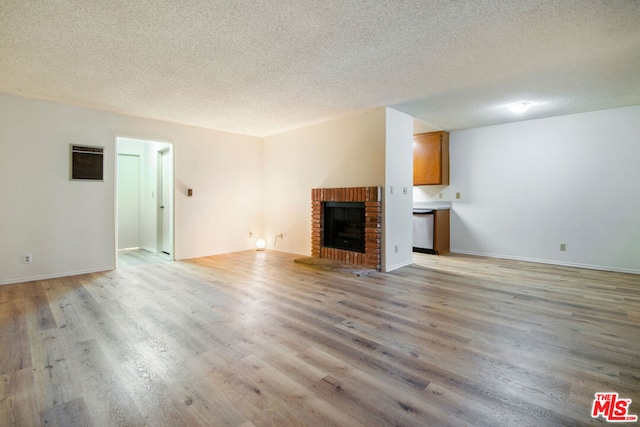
point(144, 198)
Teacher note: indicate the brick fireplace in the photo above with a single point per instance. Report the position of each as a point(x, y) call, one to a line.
point(371, 198)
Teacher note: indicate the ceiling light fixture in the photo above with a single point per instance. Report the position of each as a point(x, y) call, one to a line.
point(519, 107)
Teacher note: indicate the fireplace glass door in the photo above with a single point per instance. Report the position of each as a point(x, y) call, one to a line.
point(344, 226)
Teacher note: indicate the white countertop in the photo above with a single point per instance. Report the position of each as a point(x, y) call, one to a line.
point(436, 206)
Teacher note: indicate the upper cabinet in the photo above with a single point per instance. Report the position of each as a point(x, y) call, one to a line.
point(431, 158)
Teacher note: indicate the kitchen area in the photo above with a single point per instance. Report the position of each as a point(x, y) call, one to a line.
point(431, 212)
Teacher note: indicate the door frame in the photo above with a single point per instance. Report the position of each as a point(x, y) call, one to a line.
point(169, 145)
point(159, 225)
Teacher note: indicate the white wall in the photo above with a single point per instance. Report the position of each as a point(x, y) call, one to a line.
point(69, 226)
point(527, 187)
point(348, 152)
point(225, 172)
point(130, 214)
point(397, 207)
point(432, 193)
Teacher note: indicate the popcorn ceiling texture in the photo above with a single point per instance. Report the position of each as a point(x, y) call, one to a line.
point(263, 67)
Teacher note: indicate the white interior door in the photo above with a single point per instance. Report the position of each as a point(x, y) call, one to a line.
point(165, 200)
point(128, 201)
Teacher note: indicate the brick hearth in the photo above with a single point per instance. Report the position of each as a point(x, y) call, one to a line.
point(371, 196)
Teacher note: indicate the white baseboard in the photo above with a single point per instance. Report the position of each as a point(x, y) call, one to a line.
point(397, 266)
point(54, 275)
point(548, 261)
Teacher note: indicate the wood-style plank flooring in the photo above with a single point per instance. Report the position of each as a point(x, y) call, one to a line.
point(254, 339)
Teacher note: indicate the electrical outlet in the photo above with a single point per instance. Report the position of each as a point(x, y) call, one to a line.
point(439, 195)
point(391, 189)
point(396, 248)
point(27, 259)
point(563, 247)
point(457, 195)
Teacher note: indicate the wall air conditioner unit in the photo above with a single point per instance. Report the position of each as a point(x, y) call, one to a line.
point(87, 163)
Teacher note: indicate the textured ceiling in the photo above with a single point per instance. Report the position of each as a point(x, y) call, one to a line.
point(262, 67)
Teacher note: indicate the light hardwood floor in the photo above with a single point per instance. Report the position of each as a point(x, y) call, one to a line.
point(254, 339)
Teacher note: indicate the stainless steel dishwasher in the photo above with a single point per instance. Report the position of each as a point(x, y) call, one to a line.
point(423, 230)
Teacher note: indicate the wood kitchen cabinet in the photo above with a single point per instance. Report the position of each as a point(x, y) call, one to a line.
point(441, 223)
point(431, 158)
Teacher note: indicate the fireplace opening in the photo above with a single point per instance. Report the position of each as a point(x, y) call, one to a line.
point(344, 226)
